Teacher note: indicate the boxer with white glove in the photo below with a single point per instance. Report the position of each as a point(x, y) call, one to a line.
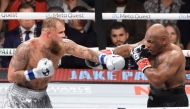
point(140, 55)
point(98, 66)
point(113, 62)
point(44, 68)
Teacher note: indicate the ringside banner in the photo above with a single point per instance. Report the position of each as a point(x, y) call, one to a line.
point(91, 15)
point(40, 15)
point(99, 76)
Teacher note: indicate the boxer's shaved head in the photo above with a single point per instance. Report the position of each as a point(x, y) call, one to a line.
point(157, 31)
point(157, 38)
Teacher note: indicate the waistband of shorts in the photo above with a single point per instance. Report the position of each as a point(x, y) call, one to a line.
point(28, 93)
point(175, 91)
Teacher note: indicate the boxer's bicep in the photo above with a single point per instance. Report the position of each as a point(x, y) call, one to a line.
point(168, 68)
point(19, 63)
point(81, 51)
point(164, 71)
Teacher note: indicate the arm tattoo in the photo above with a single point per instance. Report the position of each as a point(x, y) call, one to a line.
point(28, 85)
point(37, 84)
point(20, 58)
point(167, 65)
point(70, 47)
point(93, 56)
point(82, 51)
point(20, 77)
point(20, 61)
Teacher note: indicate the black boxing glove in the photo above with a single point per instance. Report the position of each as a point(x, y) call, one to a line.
point(140, 55)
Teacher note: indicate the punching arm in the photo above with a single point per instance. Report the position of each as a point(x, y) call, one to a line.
point(113, 62)
point(124, 50)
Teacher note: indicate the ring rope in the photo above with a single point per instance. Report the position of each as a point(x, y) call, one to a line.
point(10, 51)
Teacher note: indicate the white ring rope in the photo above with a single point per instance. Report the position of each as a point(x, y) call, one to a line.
point(10, 51)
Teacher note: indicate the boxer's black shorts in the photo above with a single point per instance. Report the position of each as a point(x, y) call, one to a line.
point(168, 98)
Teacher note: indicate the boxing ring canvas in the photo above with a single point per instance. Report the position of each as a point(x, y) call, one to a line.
point(72, 95)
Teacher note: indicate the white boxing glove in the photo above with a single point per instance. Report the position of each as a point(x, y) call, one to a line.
point(44, 68)
point(98, 66)
point(113, 62)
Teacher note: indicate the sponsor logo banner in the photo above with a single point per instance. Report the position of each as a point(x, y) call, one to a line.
point(90, 75)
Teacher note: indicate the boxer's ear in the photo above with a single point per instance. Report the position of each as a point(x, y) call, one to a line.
point(164, 39)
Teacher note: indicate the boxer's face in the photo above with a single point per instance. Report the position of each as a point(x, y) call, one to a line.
point(119, 36)
point(172, 34)
point(152, 44)
point(26, 23)
point(57, 34)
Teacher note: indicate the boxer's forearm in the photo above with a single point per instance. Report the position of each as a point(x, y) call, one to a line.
point(124, 50)
point(93, 55)
point(17, 76)
point(80, 51)
point(154, 76)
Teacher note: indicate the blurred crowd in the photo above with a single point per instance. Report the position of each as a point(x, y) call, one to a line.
point(83, 32)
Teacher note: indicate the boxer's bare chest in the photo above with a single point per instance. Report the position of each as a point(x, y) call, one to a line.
point(37, 53)
point(41, 52)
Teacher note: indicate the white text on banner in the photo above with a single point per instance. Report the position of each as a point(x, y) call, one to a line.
point(88, 15)
point(146, 16)
point(39, 15)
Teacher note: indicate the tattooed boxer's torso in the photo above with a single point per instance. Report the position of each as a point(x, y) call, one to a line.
point(29, 53)
point(33, 52)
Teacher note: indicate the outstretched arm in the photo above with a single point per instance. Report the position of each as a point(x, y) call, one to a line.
point(113, 62)
point(81, 51)
point(124, 50)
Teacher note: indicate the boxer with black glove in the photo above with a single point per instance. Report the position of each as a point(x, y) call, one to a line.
point(140, 55)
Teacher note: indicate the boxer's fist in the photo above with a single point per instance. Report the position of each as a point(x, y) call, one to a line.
point(140, 55)
point(98, 66)
point(44, 68)
point(113, 62)
point(139, 52)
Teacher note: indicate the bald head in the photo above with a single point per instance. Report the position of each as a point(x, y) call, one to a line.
point(157, 31)
point(157, 39)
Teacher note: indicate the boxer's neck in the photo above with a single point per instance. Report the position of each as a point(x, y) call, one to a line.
point(44, 41)
point(165, 47)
